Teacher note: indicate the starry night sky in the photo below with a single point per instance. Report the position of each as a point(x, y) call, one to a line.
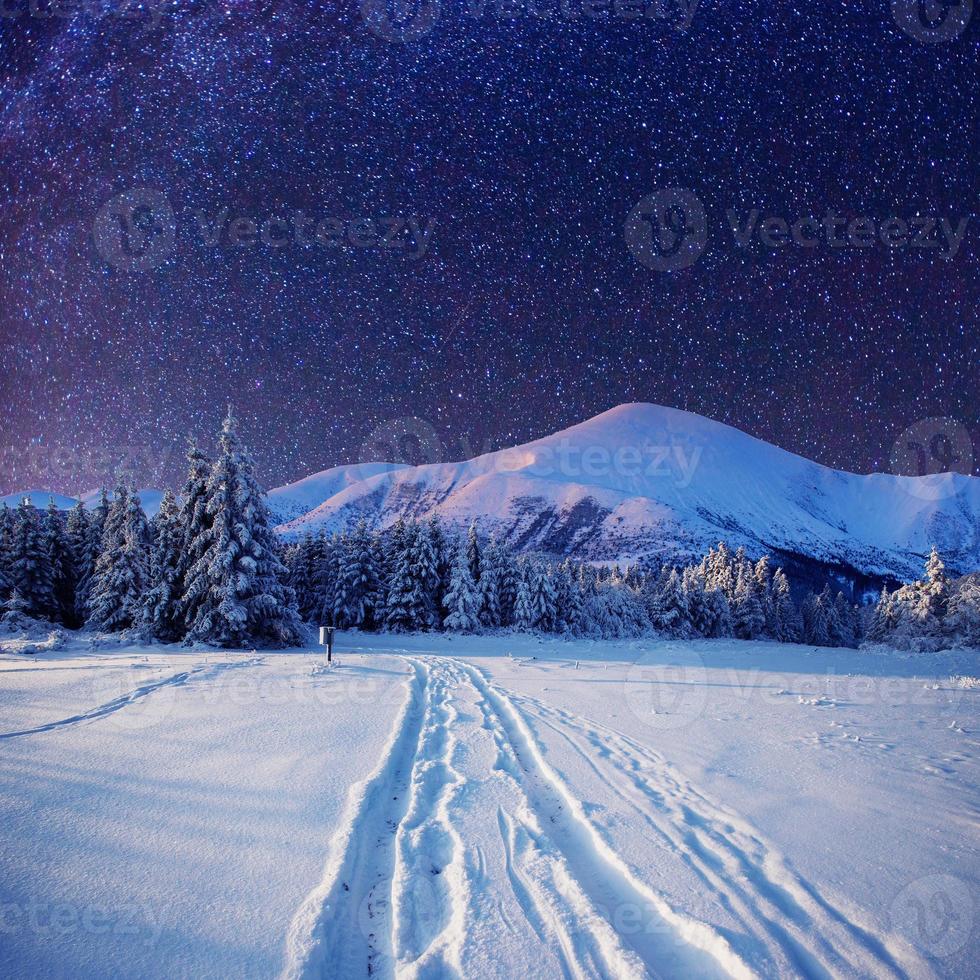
point(526, 142)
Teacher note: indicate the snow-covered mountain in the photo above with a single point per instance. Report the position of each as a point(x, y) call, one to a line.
point(149, 498)
point(296, 499)
point(644, 481)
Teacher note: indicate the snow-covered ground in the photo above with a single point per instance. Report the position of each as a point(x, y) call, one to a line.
point(490, 806)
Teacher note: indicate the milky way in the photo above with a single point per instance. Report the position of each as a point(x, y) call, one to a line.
point(342, 219)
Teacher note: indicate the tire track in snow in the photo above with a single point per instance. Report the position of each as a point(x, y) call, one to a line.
point(801, 928)
point(124, 700)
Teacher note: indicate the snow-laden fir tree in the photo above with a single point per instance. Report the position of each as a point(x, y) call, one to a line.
point(58, 553)
point(30, 570)
point(615, 611)
point(327, 557)
point(750, 619)
point(462, 602)
point(490, 585)
point(77, 531)
point(401, 602)
point(6, 549)
point(196, 522)
point(248, 600)
point(425, 573)
point(357, 591)
point(816, 629)
point(786, 617)
point(507, 590)
point(962, 623)
point(544, 608)
point(524, 601)
point(121, 574)
point(473, 552)
point(667, 606)
point(238, 582)
point(89, 554)
point(569, 605)
point(161, 608)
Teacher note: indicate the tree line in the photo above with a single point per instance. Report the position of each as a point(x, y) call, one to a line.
point(210, 568)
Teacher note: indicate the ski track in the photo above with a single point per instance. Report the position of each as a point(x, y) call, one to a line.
point(465, 840)
point(143, 691)
point(801, 930)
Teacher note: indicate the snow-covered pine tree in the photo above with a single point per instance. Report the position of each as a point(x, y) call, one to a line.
point(544, 608)
point(358, 581)
point(30, 571)
point(524, 602)
point(423, 576)
point(937, 585)
point(77, 531)
point(719, 614)
point(692, 587)
point(473, 552)
point(327, 557)
point(195, 522)
point(161, 604)
point(443, 556)
point(568, 600)
point(6, 549)
point(815, 626)
point(122, 571)
point(750, 620)
point(847, 620)
point(61, 564)
point(763, 579)
point(507, 565)
point(881, 619)
point(400, 606)
point(962, 622)
point(462, 602)
point(238, 582)
point(341, 615)
point(785, 614)
point(296, 560)
point(379, 560)
point(491, 572)
point(89, 554)
point(668, 608)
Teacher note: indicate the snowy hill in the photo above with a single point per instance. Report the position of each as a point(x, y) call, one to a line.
point(299, 498)
point(644, 481)
point(149, 498)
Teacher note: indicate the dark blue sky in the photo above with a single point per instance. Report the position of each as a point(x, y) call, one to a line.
point(461, 254)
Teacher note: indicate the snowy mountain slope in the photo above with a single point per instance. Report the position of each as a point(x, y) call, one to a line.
point(295, 499)
point(149, 498)
point(39, 498)
point(644, 481)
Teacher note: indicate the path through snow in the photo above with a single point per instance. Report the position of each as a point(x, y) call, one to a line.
point(466, 850)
